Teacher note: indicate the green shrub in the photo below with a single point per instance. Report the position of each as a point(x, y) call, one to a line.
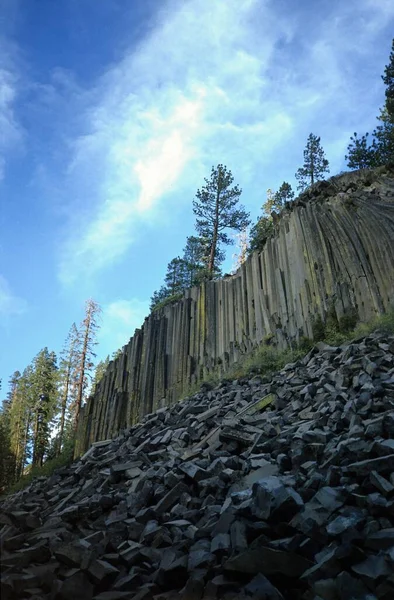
point(382, 322)
point(348, 321)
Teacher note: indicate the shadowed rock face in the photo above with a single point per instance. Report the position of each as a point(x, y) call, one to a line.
point(333, 249)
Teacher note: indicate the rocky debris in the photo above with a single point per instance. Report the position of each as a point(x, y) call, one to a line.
point(279, 490)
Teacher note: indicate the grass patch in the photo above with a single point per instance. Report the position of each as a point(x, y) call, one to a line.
point(48, 468)
point(383, 323)
point(264, 361)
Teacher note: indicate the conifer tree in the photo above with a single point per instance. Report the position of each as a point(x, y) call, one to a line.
point(99, 371)
point(379, 149)
point(315, 163)
point(361, 153)
point(85, 354)
point(26, 395)
point(67, 382)
point(264, 227)
point(45, 395)
point(193, 256)
point(388, 80)
point(176, 276)
point(384, 138)
point(159, 296)
point(283, 195)
point(217, 210)
point(7, 463)
point(20, 407)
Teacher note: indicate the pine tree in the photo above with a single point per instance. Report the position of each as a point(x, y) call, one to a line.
point(67, 382)
point(264, 227)
point(217, 210)
point(259, 233)
point(361, 153)
point(388, 80)
point(7, 463)
point(176, 276)
point(85, 354)
point(45, 394)
point(19, 419)
point(100, 369)
point(26, 394)
point(158, 297)
point(315, 163)
point(270, 204)
point(384, 138)
point(193, 257)
point(283, 195)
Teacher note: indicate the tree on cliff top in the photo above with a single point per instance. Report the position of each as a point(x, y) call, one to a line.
point(158, 297)
point(361, 154)
point(176, 277)
point(315, 163)
point(217, 209)
point(388, 80)
point(264, 227)
point(379, 150)
point(194, 254)
point(100, 369)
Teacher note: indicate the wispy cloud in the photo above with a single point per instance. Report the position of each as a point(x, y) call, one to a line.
point(10, 304)
point(213, 82)
point(119, 320)
point(10, 129)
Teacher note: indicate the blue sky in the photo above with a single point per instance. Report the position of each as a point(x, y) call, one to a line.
point(112, 112)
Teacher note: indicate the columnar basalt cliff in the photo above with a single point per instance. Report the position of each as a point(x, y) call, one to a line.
point(333, 250)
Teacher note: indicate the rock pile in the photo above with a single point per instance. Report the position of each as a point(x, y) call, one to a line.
point(267, 489)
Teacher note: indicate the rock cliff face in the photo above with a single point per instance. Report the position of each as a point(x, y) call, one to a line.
point(333, 250)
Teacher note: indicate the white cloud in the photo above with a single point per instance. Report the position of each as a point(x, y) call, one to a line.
point(213, 82)
point(10, 130)
point(119, 320)
point(9, 303)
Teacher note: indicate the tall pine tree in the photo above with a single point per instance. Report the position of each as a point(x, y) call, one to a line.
point(217, 209)
point(45, 396)
point(193, 256)
point(176, 276)
point(7, 463)
point(20, 411)
point(364, 152)
point(67, 384)
point(315, 163)
point(85, 353)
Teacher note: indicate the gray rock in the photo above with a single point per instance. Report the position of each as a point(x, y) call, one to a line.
point(268, 561)
point(170, 498)
point(261, 587)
